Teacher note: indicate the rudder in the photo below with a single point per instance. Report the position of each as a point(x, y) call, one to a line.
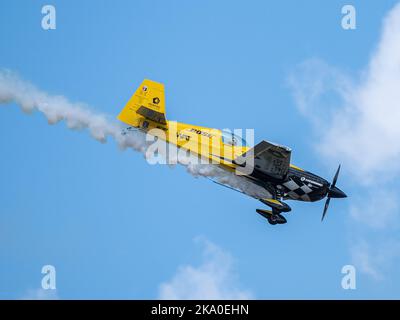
point(148, 102)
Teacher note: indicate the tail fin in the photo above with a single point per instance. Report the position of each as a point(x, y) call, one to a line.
point(148, 102)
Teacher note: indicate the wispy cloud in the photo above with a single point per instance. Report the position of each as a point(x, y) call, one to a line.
point(375, 258)
point(214, 278)
point(361, 128)
point(362, 257)
point(357, 120)
point(40, 294)
point(379, 212)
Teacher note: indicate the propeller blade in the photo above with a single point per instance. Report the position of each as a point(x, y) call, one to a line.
point(326, 207)
point(335, 177)
point(333, 192)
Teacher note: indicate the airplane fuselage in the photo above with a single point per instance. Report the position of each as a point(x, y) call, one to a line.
point(270, 166)
point(204, 142)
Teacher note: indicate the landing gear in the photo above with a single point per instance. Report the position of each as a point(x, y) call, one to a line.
point(273, 217)
point(276, 219)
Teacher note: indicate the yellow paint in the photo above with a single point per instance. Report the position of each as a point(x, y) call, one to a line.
point(146, 110)
point(264, 211)
point(296, 167)
point(274, 201)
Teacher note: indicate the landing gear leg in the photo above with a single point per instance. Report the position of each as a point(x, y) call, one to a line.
point(274, 216)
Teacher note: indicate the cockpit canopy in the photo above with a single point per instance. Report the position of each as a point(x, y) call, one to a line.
point(229, 138)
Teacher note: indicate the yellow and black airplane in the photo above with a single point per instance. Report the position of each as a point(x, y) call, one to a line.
point(270, 166)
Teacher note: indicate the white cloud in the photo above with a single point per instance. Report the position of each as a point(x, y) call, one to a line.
point(40, 294)
point(361, 128)
point(379, 212)
point(364, 261)
point(357, 122)
point(374, 260)
point(213, 279)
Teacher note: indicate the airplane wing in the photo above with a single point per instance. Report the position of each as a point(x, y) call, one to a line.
point(268, 158)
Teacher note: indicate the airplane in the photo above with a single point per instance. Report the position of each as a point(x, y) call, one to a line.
point(270, 166)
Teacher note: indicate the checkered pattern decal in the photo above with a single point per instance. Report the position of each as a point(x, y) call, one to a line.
point(297, 190)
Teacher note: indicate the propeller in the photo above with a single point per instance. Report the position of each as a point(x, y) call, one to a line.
point(333, 192)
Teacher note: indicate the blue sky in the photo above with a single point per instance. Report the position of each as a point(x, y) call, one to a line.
point(115, 226)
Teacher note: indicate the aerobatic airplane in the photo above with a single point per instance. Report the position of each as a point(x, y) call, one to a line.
point(270, 163)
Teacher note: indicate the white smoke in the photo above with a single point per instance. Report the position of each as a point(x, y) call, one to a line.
point(79, 116)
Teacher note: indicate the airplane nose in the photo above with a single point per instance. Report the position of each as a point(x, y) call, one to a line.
point(335, 192)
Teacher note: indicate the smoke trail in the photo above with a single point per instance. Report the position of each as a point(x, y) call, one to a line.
point(58, 108)
point(100, 126)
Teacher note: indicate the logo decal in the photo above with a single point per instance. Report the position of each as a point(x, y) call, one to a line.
point(314, 182)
